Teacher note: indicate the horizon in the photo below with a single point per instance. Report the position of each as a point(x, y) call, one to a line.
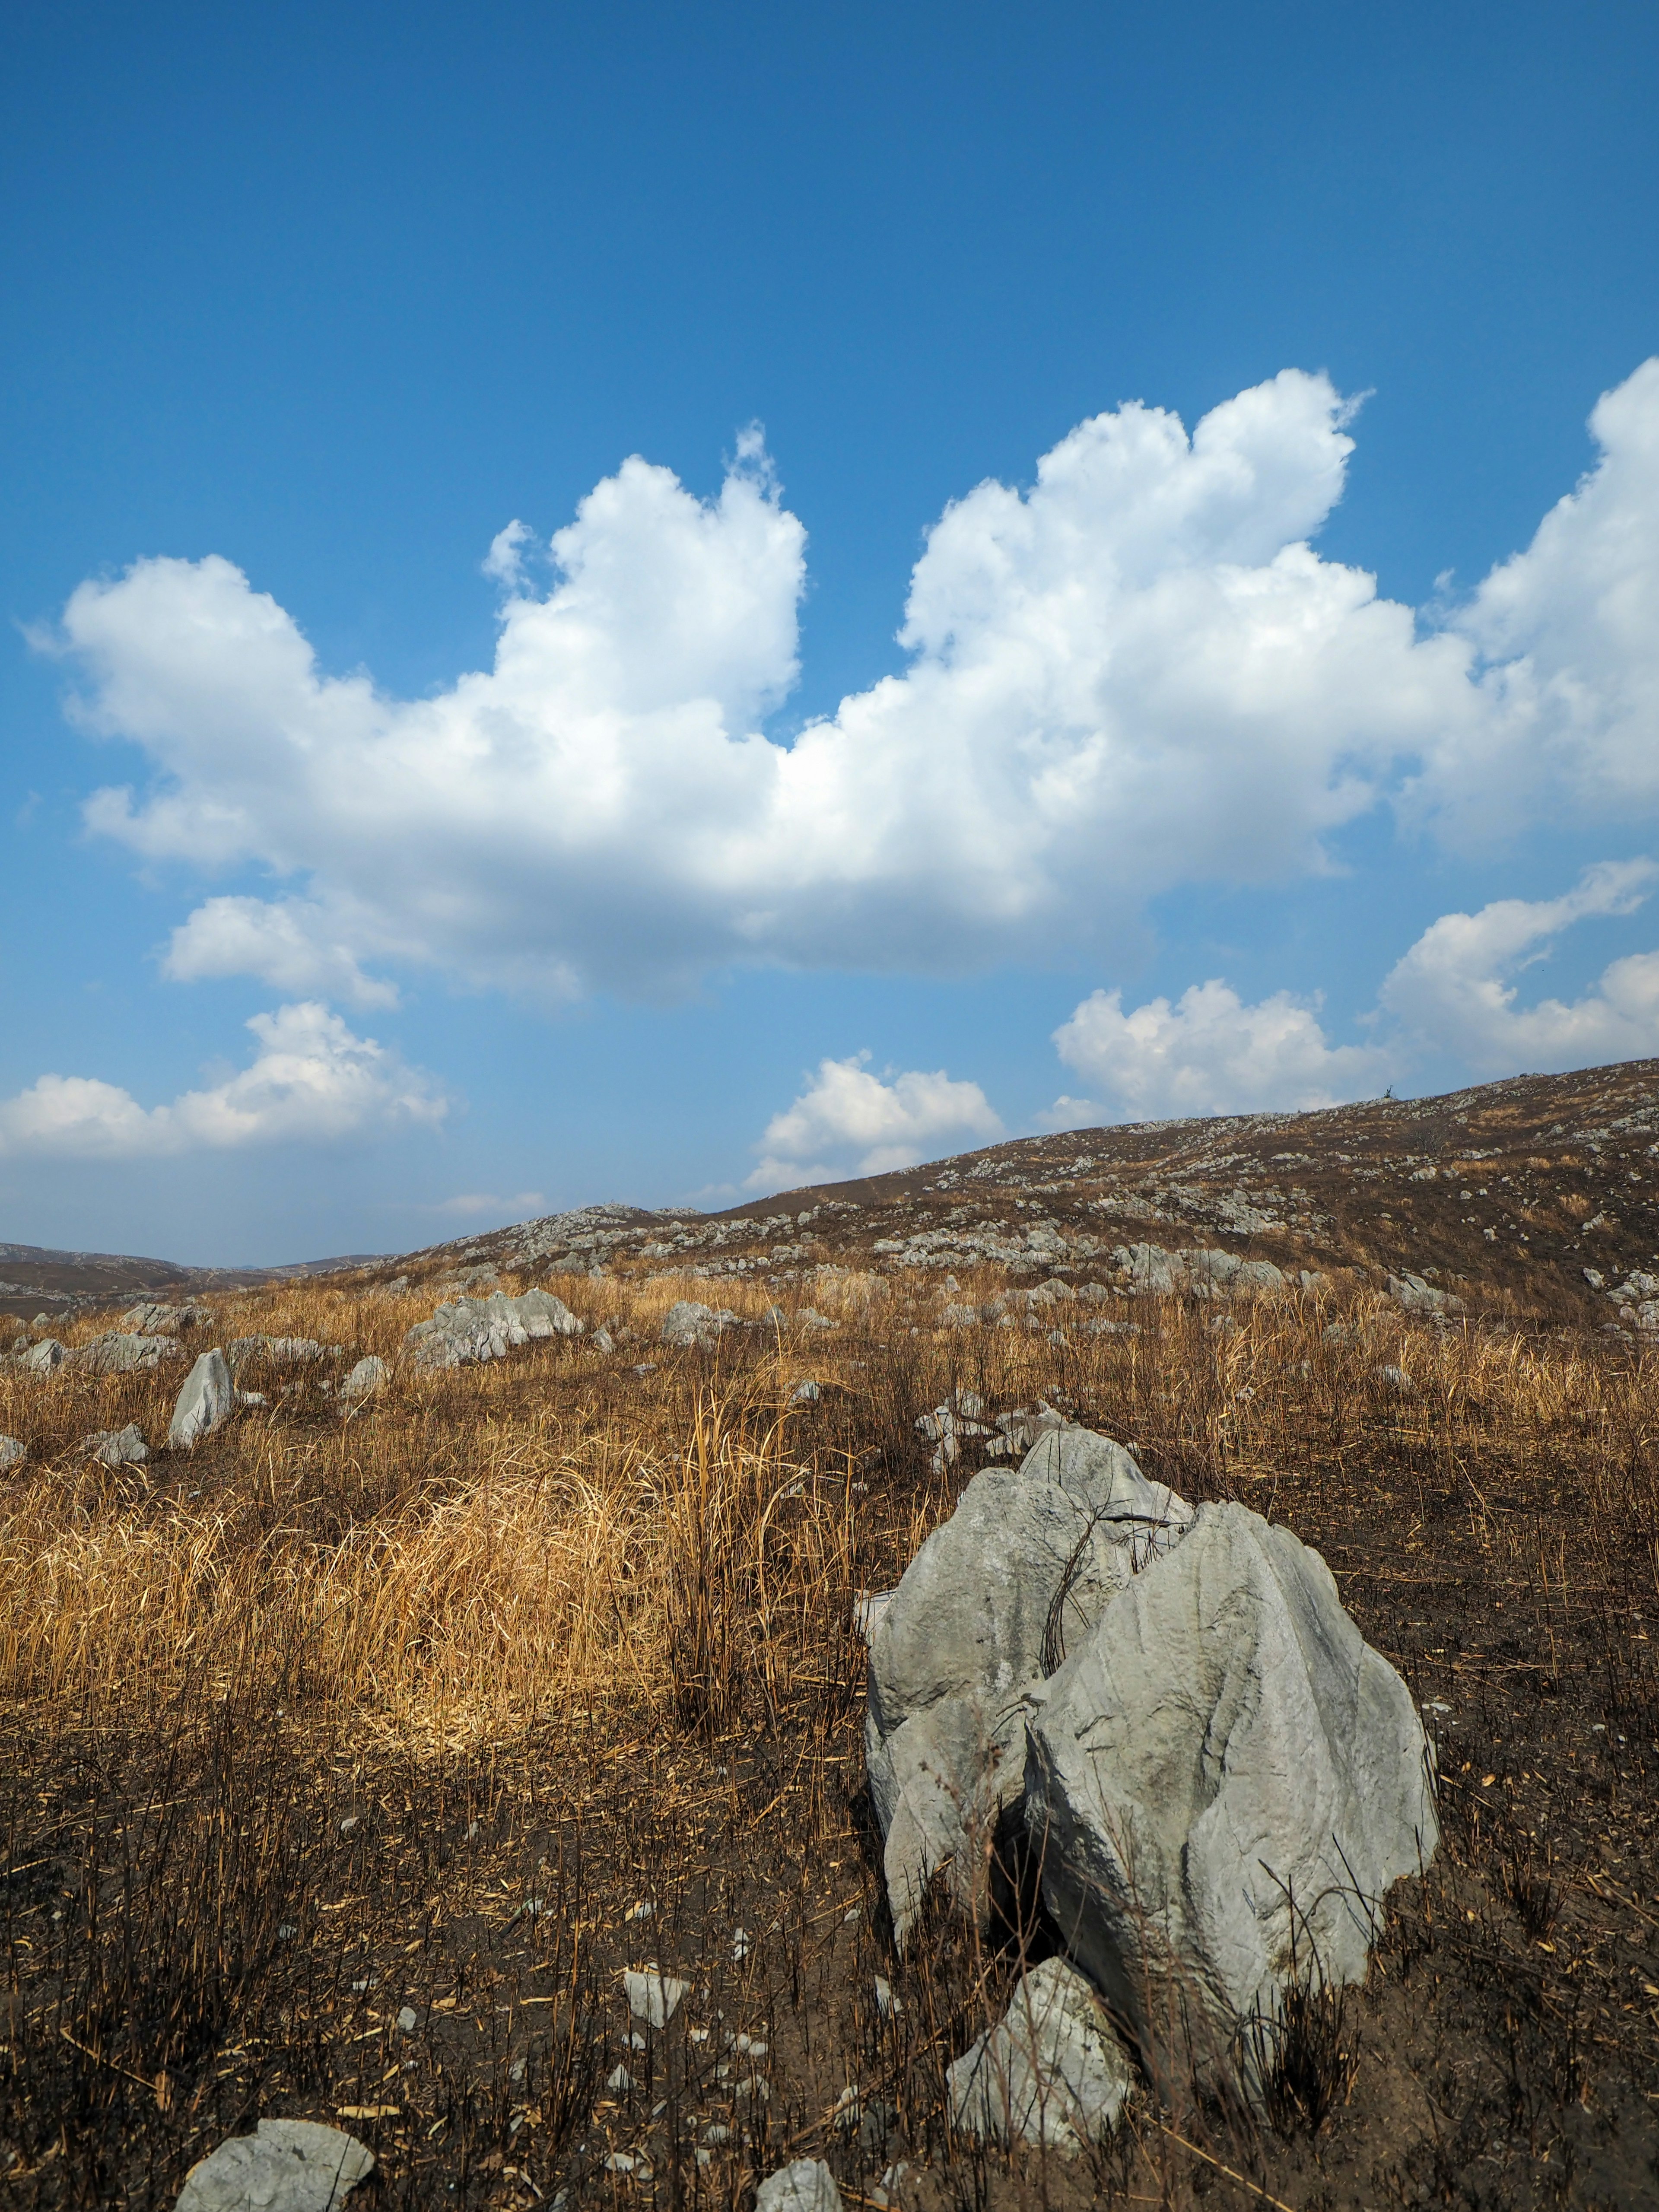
point(610, 612)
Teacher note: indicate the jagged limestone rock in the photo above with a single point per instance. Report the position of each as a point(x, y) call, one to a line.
point(1052, 2073)
point(206, 1402)
point(286, 2165)
point(120, 1352)
point(808, 2185)
point(1021, 1569)
point(468, 1330)
point(687, 1323)
point(1223, 1781)
point(118, 1447)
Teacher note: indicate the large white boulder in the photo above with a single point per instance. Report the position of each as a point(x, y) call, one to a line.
point(206, 1402)
point(285, 2166)
point(1021, 1569)
point(1052, 2073)
point(44, 1357)
point(1223, 1779)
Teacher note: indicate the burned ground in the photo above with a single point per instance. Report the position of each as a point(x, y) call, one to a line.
point(341, 1754)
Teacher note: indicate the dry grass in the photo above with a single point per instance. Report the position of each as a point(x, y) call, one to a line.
point(607, 1616)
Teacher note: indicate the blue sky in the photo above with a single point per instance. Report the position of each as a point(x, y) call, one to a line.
point(854, 783)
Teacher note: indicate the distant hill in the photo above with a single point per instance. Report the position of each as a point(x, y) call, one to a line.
point(34, 1281)
point(1538, 1193)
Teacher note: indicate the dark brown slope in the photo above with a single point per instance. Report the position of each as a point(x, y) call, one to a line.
point(1514, 1189)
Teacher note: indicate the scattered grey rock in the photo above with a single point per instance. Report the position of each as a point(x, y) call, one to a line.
point(1225, 1780)
point(1154, 1273)
point(280, 1351)
point(116, 1352)
point(286, 2165)
point(688, 1324)
point(45, 1358)
point(654, 1998)
point(808, 2185)
point(1052, 2072)
point(116, 1446)
point(365, 1379)
point(151, 1317)
point(1023, 1568)
point(11, 1450)
point(805, 1394)
point(1396, 1380)
point(205, 1403)
point(251, 1400)
point(469, 1330)
point(1414, 1296)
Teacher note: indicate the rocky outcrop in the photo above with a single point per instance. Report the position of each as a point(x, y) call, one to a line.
point(1223, 1780)
point(204, 1404)
point(469, 1330)
point(986, 1609)
point(1053, 2073)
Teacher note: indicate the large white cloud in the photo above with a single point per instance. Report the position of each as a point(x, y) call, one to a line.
point(1210, 1052)
point(847, 1122)
point(1135, 674)
point(311, 1081)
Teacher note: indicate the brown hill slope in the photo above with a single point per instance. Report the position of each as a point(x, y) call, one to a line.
point(1537, 1194)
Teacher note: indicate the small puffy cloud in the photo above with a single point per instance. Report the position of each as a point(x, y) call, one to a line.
point(504, 562)
point(849, 1122)
point(289, 944)
point(311, 1081)
point(1452, 991)
point(1210, 1052)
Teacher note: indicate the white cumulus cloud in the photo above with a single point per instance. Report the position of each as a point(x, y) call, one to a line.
point(1136, 673)
point(1210, 1052)
point(1453, 991)
point(288, 943)
point(849, 1122)
point(311, 1080)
